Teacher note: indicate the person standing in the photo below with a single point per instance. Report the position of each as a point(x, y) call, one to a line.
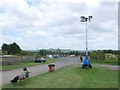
point(81, 58)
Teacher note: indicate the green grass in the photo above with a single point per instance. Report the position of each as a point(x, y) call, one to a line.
point(26, 64)
point(71, 77)
point(10, 67)
point(0, 68)
point(110, 61)
point(104, 62)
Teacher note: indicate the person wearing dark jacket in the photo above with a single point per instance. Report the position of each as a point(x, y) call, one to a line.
point(81, 58)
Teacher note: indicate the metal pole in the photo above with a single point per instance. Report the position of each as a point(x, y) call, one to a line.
point(85, 19)
point(86, 41)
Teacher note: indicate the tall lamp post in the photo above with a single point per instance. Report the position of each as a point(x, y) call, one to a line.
point(86, 19)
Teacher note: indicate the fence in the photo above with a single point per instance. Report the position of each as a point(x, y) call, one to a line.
point(15, 60)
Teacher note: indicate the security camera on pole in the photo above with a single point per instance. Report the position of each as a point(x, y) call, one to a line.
point(87, 59)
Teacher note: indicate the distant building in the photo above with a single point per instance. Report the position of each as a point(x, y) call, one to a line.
point(110, 55)
point(65, 50)
point(62, 50)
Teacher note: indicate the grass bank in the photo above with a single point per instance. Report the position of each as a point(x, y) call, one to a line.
point(27, 64)
point(71, 77)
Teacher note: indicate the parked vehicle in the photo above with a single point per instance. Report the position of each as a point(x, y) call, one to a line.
point(56, 56)
point(49, 56)
point(40, 60)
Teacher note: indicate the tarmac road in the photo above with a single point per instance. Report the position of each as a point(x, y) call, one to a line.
point(35, 70)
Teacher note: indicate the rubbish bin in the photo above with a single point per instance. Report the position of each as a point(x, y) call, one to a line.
point(51, 67)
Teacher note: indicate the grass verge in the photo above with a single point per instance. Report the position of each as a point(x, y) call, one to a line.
point(71, 77)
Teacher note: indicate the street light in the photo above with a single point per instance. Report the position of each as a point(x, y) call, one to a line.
point(85, 19)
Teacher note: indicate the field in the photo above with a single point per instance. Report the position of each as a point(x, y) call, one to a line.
point(71, 77)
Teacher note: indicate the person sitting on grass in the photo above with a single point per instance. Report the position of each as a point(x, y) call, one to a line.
point(26, 72)
point(86, 63)
point(22, 76)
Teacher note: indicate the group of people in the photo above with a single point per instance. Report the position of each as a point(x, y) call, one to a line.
point(86, 62)
point(22, 76)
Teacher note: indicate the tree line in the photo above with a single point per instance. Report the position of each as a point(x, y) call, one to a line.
point(10, 49)
point(44, 52)
point(14, 49)
point(97, 55)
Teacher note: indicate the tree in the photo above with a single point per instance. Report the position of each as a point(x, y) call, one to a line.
point(42, 52)
point(76, 53)
point(14, 48)
point(10, 48)
point(4, 48)
point(58, 51)
point(97, 55)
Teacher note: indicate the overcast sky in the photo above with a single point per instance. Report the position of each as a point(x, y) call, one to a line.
point(36, 24)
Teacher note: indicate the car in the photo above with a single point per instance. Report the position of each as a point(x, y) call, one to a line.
point(43, 59)
point(56, 56)
point(40, 60)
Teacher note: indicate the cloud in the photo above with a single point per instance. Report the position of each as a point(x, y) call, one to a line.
point(56, 23)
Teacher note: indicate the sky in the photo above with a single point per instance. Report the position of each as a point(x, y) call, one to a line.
point(34, 24)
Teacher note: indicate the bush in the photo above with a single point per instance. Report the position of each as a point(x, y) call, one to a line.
point(23, 53)
point(97, 55)
point(100, 57)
